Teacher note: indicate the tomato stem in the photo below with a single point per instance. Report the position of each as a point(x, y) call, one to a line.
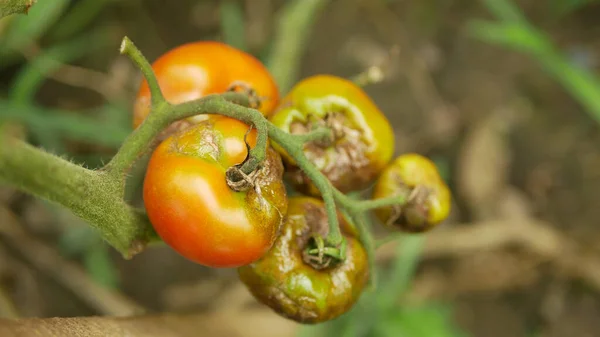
point(91, 195)
point(362, 222)
point(9, 7)
point(356, 211)
point(294, 145)
point(162, 114)
point(355, 208)
point(320, 133)
point(367, 205)
point(129, 49)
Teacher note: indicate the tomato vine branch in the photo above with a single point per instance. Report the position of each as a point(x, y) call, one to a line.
point(236, 105)
point(355, 212)
point(91, 195)
point(294, 146)
point(320, 133)
point(367, 205)
point(97, 196)
point(156, 96)
point(162, 114)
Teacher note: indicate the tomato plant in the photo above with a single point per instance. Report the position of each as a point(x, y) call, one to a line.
point(191, 205)
point(196, 69)
point(295, 284)
point(362, 142)
point(427, 196)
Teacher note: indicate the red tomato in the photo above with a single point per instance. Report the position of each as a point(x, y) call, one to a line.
point(193, 209)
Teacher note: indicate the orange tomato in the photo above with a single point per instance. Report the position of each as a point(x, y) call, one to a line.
point(193, 70)
point(193, 209)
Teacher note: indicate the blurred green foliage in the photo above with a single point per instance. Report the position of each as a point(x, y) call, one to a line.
point(560, 8)
point(232, 24)
point(513, 31)
point(52, 128)
point(82, 242)
point(27, 29)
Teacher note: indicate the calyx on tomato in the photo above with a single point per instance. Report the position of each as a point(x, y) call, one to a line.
point(196, 69)
point(417, 179)
point(285, 279)
point(363, 140)
point(193, 209)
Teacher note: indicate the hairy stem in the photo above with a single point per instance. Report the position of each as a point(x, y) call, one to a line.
point(367, 205)
point(91, 195)
point(294, 148)
point(317, 134)
point(129, 49)
point(138, 142)
point(9, 7)
point(362, 206)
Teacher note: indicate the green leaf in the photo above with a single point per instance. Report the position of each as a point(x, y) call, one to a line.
point(431, 320)
point(505, 10)
point(564, 7)
point(100, 267)
point(443, 166)
point(232, 24)
point(28, 28)
point(319, 330)
point(580, 83)
point(65, 124)
point(80, 16)
point(293, 30)
point(31, 77)
point(516, 36)
point(399, 278)
point(78, 240)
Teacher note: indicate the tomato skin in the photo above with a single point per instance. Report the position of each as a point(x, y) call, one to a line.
point(196, 69)
point(363, 137)
point(294, 289)
point(430, 204)
point(193, 209)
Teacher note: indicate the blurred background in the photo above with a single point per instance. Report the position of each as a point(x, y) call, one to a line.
point(503, 94)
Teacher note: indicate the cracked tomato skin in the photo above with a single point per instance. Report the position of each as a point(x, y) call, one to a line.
point(427, 208)
point(283, 281)
point(363, 140)
point(193, 70)
point(193, 209)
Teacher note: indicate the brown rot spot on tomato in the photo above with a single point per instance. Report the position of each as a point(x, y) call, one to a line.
point(361, 143)
point(191, 206)
point(343, 158)
point(415, 179)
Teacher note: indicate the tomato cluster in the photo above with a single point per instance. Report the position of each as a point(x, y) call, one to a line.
point(198, 211)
